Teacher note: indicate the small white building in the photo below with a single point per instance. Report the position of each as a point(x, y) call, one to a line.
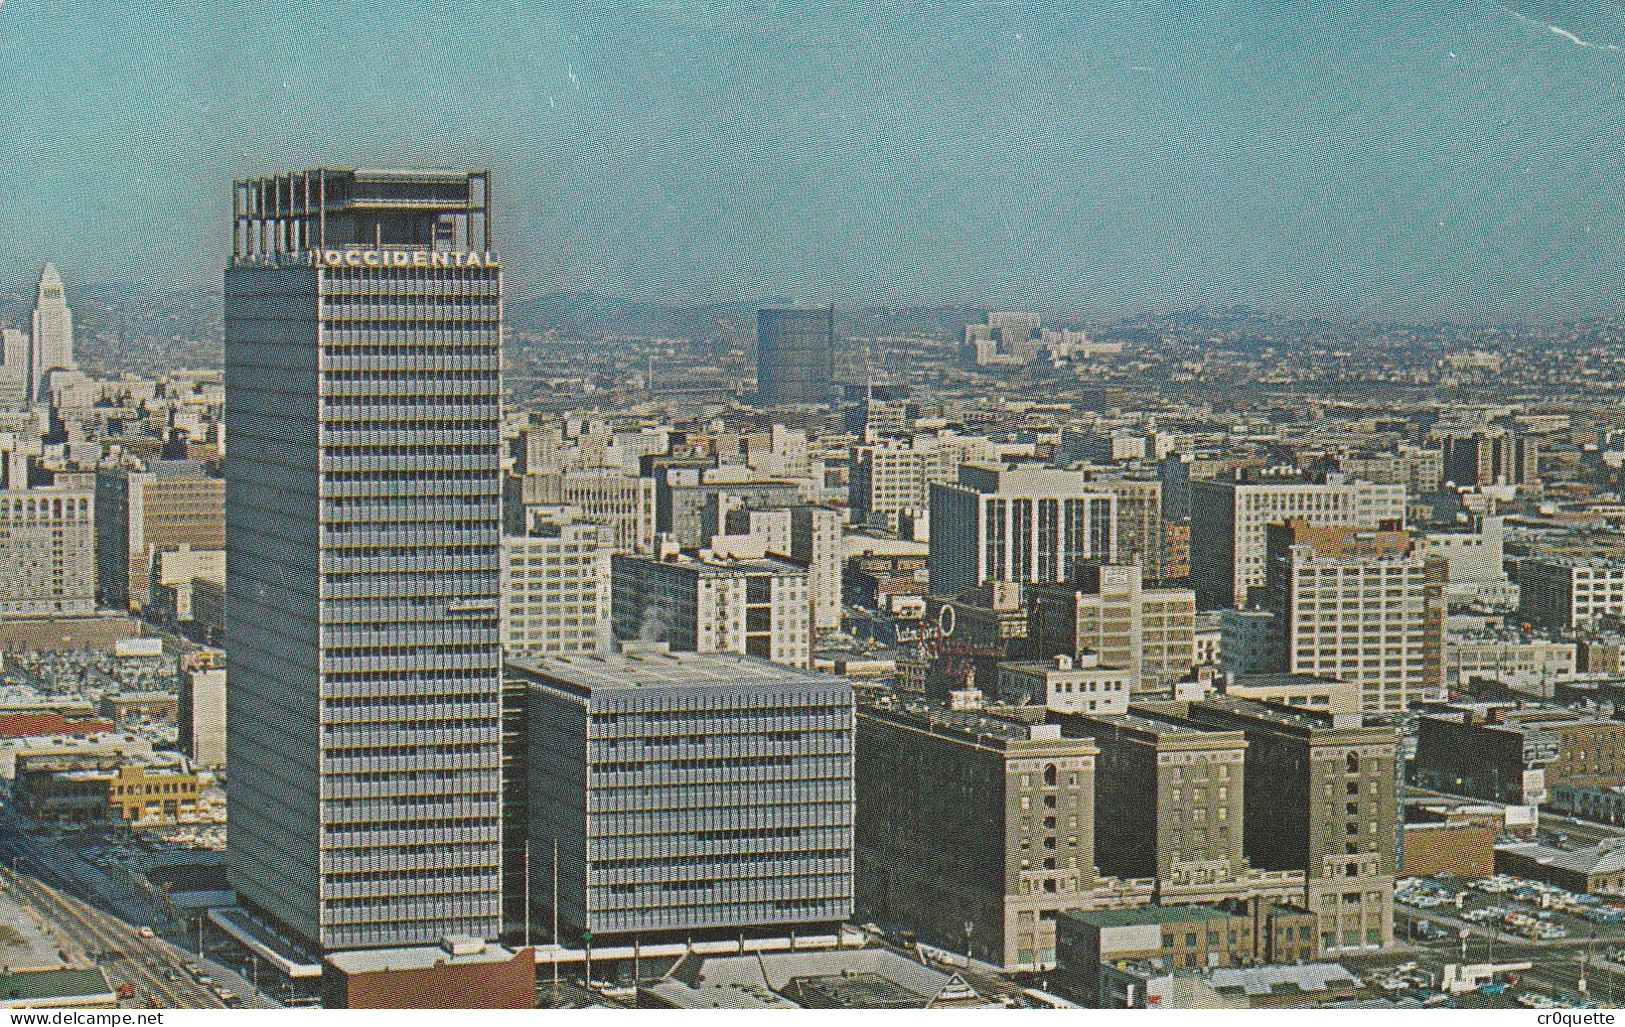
point(1067, 685)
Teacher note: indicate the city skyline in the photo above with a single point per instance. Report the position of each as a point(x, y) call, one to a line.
point(812, 504)
point(1432, 161)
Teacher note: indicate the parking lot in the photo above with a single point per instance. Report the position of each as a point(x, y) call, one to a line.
point(1574, 944)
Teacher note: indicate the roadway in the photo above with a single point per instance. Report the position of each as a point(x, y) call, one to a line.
point(149, 965)
point(52, 877)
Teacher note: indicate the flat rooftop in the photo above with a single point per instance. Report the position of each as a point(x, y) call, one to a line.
point(1287, 717)
point(1142, 916)
point(658, 667)
point(28, 986)
point(971, 724)
point(418, 957)
point(1160, 726)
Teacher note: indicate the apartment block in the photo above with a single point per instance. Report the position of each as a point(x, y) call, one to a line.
point(974, 830)
point(704, 602)
point(1319, 799)
point(1150, 632)
point(1358, 605)
point(1229, 519)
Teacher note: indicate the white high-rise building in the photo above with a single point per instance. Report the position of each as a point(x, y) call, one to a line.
point(1229, 520)
point(363, 328)
point(47, 551)
point(1021, 524)
point(555, 586)
point(1359, 606)
point(52, 347)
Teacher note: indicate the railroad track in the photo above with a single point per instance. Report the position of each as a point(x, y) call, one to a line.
point(109, 941)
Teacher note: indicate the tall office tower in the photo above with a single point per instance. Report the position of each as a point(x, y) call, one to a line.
point(140, 514)
point(1494, 457)
point(690, 796)
point(14, 370)
point(795, 355)
point(1149, 632)
point(1229, 518)
point(1017, 523)
point(1365, 607)
point(555, 585)
point(47, 551)
point(53, 332)
point(363, 325)
point(1320, 799)
point(975, 830)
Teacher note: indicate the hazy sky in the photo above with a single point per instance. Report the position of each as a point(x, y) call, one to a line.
point(1424, 157)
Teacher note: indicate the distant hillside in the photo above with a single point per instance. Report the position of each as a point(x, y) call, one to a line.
point(589, 315)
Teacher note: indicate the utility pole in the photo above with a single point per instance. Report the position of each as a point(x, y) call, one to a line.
point(527, 892)
point(558, 950)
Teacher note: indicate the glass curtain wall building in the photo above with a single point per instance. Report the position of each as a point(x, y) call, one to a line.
point(795, 355)
point(363, 328)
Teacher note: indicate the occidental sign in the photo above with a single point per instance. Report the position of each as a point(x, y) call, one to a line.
point(401, 258)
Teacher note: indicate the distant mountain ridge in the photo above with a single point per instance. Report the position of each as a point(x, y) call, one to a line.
point(589, 315)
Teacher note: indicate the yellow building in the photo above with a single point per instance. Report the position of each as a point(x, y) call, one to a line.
point(138, 792)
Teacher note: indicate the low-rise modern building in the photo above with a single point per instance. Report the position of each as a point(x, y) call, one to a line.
point(459, 973)
point(1571, 592)
point(688, 795)
point(1308, 691)
point(1517, 755)
point(1188, 938)
point(102, 786)
point(1594, 870)
point(1461, 848)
